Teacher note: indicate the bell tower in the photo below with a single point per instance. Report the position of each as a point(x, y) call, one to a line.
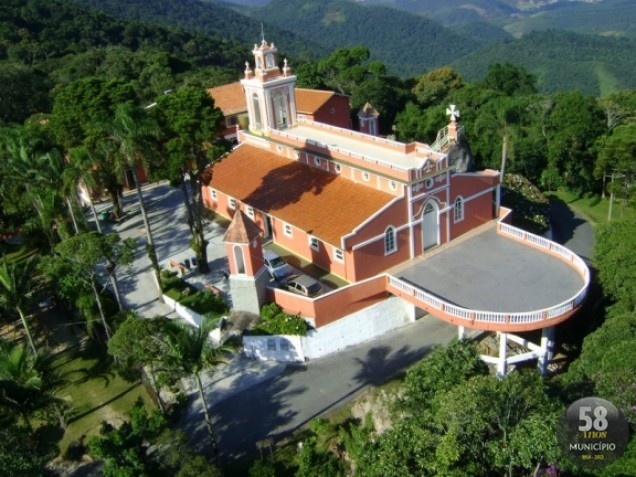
point(269, 91)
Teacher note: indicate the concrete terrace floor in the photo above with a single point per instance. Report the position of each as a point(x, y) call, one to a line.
point(489, 272)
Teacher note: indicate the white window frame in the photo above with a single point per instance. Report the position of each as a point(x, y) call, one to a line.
point(214, 194)
point(366, 176)
point(392, 185)
point(390, 240)
point(338, 168)
point(338, 255)
point(428, 183)
point(317, 161)
point(314, 243)
point(231, 203)
point(458, 209)
point(287, 230)
point(250, 212)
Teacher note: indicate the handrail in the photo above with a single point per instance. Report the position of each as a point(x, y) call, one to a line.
point(501, 318)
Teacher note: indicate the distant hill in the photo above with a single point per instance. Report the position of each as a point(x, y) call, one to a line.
point(561, 60)
point(205, 17)
point(519, 17)
point(408, 44)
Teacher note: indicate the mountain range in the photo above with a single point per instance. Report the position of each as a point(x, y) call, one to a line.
point(411, 44)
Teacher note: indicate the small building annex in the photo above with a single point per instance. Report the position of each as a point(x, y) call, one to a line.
point(352, 203)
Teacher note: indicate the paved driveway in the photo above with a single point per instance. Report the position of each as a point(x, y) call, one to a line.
point(489, 272)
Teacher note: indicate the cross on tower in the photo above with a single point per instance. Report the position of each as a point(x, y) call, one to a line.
point(453, 112)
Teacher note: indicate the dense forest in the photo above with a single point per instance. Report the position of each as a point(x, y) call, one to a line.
point(73, 109)
point(409, 45)
point(208, 18)
point(49, 43)
point(562, 61)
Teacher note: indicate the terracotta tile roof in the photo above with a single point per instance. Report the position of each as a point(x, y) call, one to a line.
point(308, 101)
point(322, 204)
point(241, 230)
point(229, 98)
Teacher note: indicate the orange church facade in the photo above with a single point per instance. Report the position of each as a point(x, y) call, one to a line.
point(354, 204)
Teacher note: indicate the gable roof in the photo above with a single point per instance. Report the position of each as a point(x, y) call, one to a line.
point(308, 101)
point(324, 205)
point(229, 98)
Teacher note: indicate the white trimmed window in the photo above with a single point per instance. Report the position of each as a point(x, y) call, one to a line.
point(429, 183)
point(214, 194)
point(390, 243)
point(458, 209)
point(392, 185)
point(314, 243)
point(317, 161)
point(232, 204)
point(287, 230)
point(338, 255)
point(366, 176)
point(338, 168)
point(250, 212)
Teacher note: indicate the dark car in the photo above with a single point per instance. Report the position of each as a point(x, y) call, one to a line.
point(304, 285)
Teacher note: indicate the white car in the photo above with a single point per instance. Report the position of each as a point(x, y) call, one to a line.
point(277, 267)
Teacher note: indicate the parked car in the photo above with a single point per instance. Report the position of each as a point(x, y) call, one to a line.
point(277, 267)
point(303, 285)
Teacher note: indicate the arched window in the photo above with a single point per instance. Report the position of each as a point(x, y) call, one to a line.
point(280, 105)
point(390, 244)
point(269, 60)
point(459, 209)
point(258, 122)
point(239, 260)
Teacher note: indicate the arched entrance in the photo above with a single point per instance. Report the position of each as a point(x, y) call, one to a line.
point(430, 226)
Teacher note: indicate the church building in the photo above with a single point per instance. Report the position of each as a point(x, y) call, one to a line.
point(353, 203)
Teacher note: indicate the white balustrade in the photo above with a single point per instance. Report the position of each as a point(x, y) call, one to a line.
point(525, 318)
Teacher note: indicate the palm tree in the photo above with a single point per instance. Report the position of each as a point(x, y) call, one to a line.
point(132, 138)
point(190, 353)
point(18, 284)
point(26, 380)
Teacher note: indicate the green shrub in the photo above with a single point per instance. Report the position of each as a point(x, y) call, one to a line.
point(277, 322)
point(270, 311)
point(204, 302)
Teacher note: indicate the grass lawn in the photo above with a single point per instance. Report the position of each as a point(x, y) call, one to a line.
point(97, 392)
point(594, 209)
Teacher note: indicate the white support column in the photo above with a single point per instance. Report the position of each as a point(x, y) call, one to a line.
point(502, 363)
point(547, 349)
point(461, 332)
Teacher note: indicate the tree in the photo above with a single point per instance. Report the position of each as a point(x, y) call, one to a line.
point(82, 116)
point(435, 86)
point(19, 282)
point(189, 354)
point(510, 80)
point(75, 265)
point(444, 368)
point(19, 453)
point(617, 156)
point(124, 450)
point(191, 124)
point(496, 425)
point(575, 122)
point(138, 343)
point(130, 141)
point(27, 381)
point(615, 261)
